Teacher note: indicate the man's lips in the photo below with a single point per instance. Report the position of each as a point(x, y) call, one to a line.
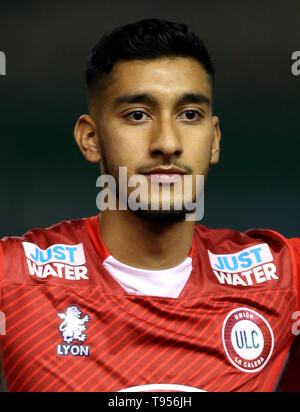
point(166, 176)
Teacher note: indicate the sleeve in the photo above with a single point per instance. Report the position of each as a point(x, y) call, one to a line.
point(2, 319)
point(290, 379)
point(2, 380)
point(294, 245)
point(12, 262)
point(1, 275)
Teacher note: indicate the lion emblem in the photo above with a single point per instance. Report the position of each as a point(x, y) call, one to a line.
point(73, 326)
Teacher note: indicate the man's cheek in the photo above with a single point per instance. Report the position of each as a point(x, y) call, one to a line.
point(199, 160)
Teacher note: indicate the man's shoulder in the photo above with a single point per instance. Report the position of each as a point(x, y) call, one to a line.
point(58, 239)
point(230, 238)
point(252, 258)
point(64, 245)
point(65, 230)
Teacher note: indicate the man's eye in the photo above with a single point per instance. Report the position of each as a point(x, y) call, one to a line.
point(191, 115)
point(137, 116)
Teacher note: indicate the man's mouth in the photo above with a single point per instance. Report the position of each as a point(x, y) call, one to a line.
point(164, 178)
point(165, 175)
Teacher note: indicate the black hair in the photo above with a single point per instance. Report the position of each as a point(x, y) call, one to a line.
point(144, 40)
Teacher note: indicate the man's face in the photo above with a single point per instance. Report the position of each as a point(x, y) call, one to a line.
point(154, 115)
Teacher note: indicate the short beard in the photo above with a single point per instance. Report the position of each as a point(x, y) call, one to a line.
point(161, 217)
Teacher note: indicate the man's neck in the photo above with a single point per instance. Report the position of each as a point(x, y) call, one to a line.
point(143, 244)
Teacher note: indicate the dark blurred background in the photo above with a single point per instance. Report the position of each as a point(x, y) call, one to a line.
point(43, 177)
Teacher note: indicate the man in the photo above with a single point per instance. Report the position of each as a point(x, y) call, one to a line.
point(143, 298)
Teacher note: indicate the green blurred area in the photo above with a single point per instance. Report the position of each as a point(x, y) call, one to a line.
point(43, 177)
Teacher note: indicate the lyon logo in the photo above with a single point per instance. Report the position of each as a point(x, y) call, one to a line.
point(73, 326)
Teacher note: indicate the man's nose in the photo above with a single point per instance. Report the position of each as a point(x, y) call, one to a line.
point(165, 139)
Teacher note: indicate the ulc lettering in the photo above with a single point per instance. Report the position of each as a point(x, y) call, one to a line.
point(246, 341)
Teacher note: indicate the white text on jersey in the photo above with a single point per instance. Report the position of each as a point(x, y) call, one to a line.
point(248, 267)
point(61, 261)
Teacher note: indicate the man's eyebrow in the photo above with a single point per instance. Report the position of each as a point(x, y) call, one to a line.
point(150, 99)
point(134, 98)
point(193, 98)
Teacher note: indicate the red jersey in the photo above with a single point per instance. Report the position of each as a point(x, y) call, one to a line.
point(70, 326)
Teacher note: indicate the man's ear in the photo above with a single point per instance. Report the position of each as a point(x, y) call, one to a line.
point(215, 150)
point(85, 133)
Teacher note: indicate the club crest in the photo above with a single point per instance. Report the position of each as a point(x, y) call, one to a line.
point(72, 329)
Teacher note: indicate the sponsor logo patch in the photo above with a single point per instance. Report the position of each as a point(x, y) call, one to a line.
point(62, 261)
point(248, 340)
point(249, 267)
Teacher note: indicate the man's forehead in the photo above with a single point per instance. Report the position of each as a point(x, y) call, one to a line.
point(162, 80)
point(170, 76)
point(161, 69)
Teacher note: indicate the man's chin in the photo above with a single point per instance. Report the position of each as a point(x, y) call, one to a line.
point(163, 217)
